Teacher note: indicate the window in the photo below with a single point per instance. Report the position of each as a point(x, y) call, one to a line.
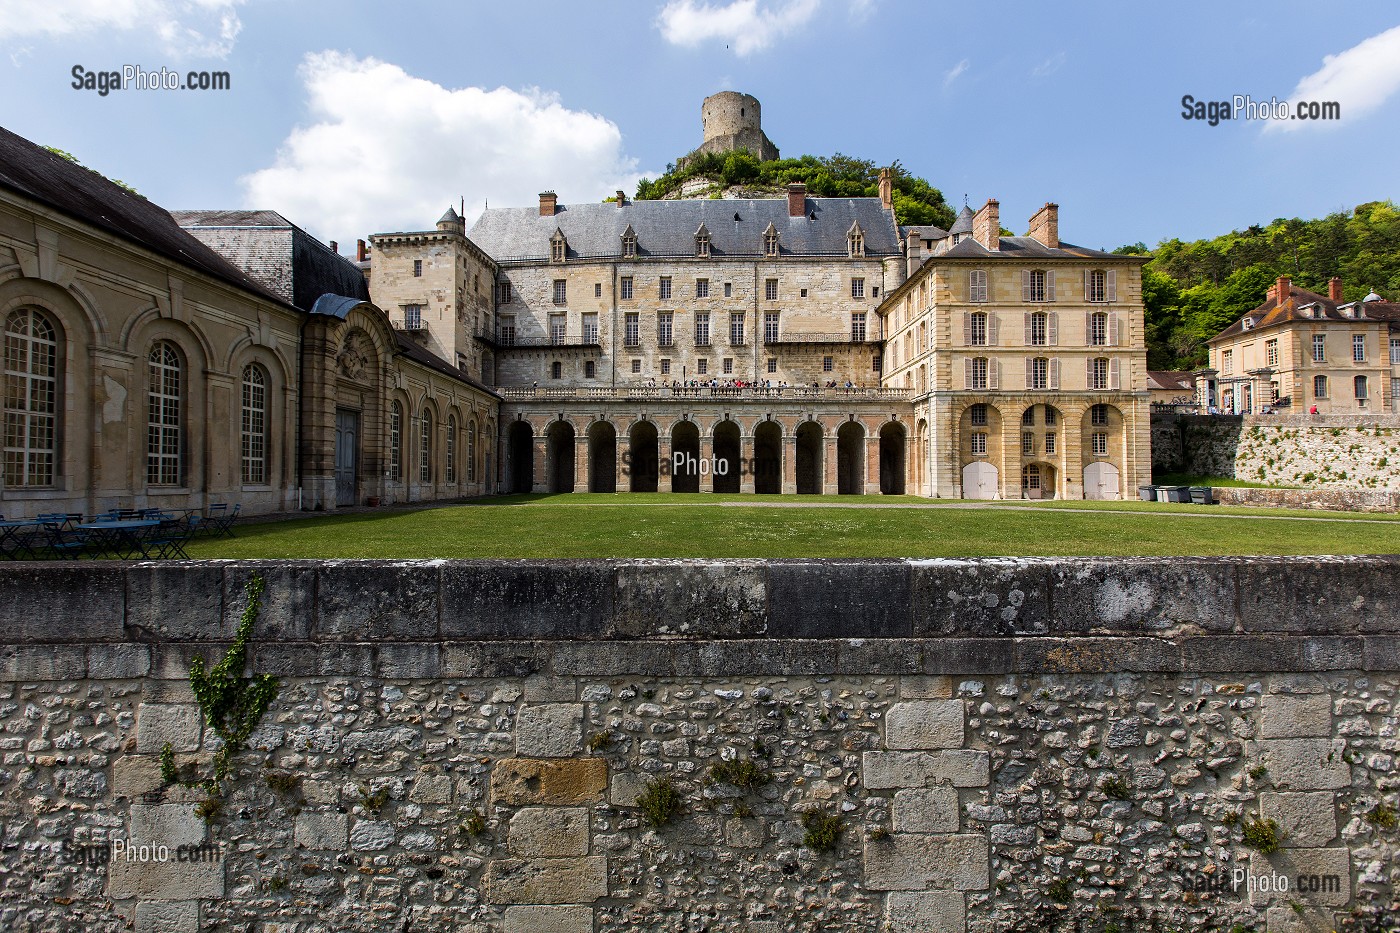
point(1037, 285)
point(855, 242)
point(1027, 443)
point(1038, 376)
point(627, 288)
point(1030, 475)
point(597, 289)
point(977, 285)
point(770, 290)
point(506, 332)
point(728, 366)
point(1319, 386)
point(1095, 286)
point(1049, 442)
point(665, 367)
point(1098, 414)
point(665, 288)
point(631, 329)
point(1358, 348)
point(253, 425)
point(1247, 324)
point(1039, 329)
point(590, 328)
point(1271, 353)
point(590, 369)
point(736, 328)
point(1028, 416)
point(561, 291)
point(978, 414)
point(558, 324)
point(977, 329)
point(629, 244)
point(1100, 443)
point(425, 447)
point(163, 415)
point(828, 364)
point(1227, 362)
point(1360, 385)
point(417, 268)
point(557, 247)
point(1319, 348)
point(770, 327)
point(858, 327)
point(471, 451)
point(450, 466)
point(857, 288)
point(702, 244)
point(729, 289)
point(979, 373)
point(773, 366)
point(1098, 329)
point(636, 366)
point(1098, 373)
point(663, 328)
point(556, 370)
point(506, 295)
point(702, 328)
point(875, 363)
point(702, 366)
point(770, 243)
point(804, 293)
point(1395, 351)
point(31, 399)
point(702, 288)
point(979, 443)
point(413, 317)
point(1049, 416)
point(395, 442)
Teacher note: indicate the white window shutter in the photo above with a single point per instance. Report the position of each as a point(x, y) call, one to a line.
point(1112, 276)
point(1055, 373)
point(1030, 365)
point(993, 374)
point(967, 328)
point(1087, 273)
point(967, 373)
point(1028, 328)
point(972, 285)
point(1052, 328)
point(1088, 328)
point(1050, 285)
point(993, 329)
point(1114, 377)
point(1115, 333)
point(1026, 286)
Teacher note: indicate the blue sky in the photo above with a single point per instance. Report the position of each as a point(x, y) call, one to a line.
point(353, 118)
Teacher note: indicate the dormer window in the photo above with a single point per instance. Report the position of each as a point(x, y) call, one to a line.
point(558, 246)
point(855, 241)
point(1247, 323)
point(629, 243)
point(702, 242)
point(770, 241)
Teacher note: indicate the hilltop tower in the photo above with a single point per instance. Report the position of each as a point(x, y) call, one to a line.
point(729, 121)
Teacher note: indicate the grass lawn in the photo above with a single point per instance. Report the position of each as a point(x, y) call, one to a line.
point(667, 525)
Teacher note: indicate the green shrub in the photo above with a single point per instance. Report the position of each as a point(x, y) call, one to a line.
point(1262, 835)
point(823, 830)
point(745, 773)
point(1117, 788)
point(659, 802)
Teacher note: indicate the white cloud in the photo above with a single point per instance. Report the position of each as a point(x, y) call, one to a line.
point(956, 72)
point(201, 28)
point(1361, 79)
point(389, 151)
point(744, 25)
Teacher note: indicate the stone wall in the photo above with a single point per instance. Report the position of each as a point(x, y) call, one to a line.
point(1007, 745)
point(1311, 451)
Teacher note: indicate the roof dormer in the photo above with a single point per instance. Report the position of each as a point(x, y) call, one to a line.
point(558, 246)
point(770, 240)
point(702, 242)
point(855, 241)
point(629, 243)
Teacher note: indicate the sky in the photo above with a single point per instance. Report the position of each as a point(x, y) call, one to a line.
point(354, 118)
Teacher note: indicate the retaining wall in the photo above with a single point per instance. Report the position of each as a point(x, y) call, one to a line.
point(997, 745)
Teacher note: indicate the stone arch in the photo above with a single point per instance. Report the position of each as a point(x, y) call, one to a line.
point(685, 456)
point(768, 458)
point(520, 457)
point(1039, 480)
point(724, 472)
point(809, 437)
point(850, 458)
point(559, 456)
point(602, 457)
point(893, 458)
point(643, 455)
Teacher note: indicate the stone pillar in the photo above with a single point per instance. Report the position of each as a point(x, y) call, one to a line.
point(581, 462)
point(664, 476)
point(789, 453)
point(707, 453)
point(830, 468)
point(1010, 465)
point(223, 473)
point(316, 451)
point(746, 453)
point(622, 473)
point(872, 462)
point(1071, 438)
point(541, 480)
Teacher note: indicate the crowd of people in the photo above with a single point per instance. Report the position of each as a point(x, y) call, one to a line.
point(713, 383)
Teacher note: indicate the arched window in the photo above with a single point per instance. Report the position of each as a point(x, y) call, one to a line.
point(164, 415)
point(425, 447)
point(451, 466)
point(31, 399)
point(471, 451)
point(254, 425)
point(395, 443)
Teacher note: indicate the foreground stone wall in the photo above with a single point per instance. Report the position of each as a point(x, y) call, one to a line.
point(1008, 745)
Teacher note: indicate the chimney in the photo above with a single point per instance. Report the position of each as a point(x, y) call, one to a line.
point(360, 254)
point(1281, 289)
point(797, 199)
point(621, 198)
point(547, 201)
point(1334, 289)
point(986, 225)
point(886, 189)
point(913, 253)
point(335, 247)
point(1045, 226)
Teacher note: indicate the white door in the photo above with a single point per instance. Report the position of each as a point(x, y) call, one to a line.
point(979, 480)
point(1101, 481)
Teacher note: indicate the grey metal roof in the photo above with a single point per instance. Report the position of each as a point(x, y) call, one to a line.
point(1023, 247)
point(668, 228)
point(963, 224)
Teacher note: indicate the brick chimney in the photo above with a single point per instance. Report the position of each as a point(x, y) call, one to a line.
point(335, 247)
point(1281, 289)
point(886, 189)
point(986, 225)
point(360, 253)
point(621, 198)
point(1334, 289)
point(913, 253)
point(1045, 226)
point(797, 199)
point(548, 200)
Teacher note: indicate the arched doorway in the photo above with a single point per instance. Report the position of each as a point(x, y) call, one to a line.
point(979, 480)
point(850, 459)
point(685, 457)
point(809, 459)
point(726, 463)
point(602, 457)
point(892, 459)
point(642, 454)
point(768, 458)
point(520, 451)
point(559, 457)
point(1038, 481)
point(1101, 481)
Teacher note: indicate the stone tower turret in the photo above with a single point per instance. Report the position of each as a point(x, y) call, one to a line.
point(730, 120)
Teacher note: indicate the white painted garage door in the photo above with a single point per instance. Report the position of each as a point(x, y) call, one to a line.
point(979, 481)
point(1101, 481)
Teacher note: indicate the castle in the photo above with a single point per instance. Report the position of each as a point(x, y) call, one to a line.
point(791, 345)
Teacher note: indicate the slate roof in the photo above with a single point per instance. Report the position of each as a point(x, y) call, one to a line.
point(667, 228)
point(1023, 248)
point(425, 357)
point(1171, 380)
point(963, 223)
point(84, 195)
point(928, 232)
point(1272, 313)
point(231, 219)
